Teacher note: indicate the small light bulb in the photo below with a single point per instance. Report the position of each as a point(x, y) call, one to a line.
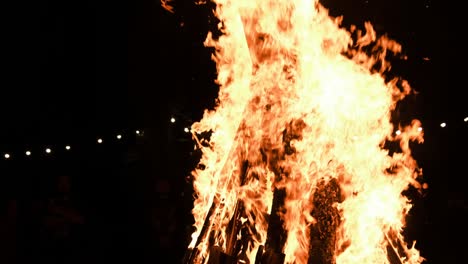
point(7, 156)
point(172, 120)
point(99, 141)
point(48, 150)
point(398, 132)
point(466, 119)
point(420, 129)
point(119, 136)
point(67, 147)
point(137, 132)
point(28, 153)
point(186, 129)
point(443, 125)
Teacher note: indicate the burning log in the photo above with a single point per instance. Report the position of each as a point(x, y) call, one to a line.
point(395, 248)
point(217, 256)
point(235, 224)
point(269, 256)
point(235, 248)
point(323, 233)
point(272, 252)
point(276, 234)
point(392, 255)
point(192, 253)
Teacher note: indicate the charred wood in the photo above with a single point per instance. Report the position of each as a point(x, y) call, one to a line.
point(276, 235)
point(323, 232)
point(217, 256)
point(394, 248)
point(272, 252)
point(191, 254)
point(392, 256)
point(269, 256)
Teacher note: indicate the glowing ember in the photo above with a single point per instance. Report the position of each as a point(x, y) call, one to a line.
point(295, 169)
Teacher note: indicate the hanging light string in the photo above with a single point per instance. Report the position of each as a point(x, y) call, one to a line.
point(174, 119)
point(48, 150)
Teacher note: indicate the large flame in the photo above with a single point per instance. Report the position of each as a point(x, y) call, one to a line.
point(303, 103)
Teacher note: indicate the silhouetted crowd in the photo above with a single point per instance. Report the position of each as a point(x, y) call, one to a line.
point(104, 210)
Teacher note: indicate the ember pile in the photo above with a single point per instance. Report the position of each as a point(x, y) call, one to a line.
point(295, 168)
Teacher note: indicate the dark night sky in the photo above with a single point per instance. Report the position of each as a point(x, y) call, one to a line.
point(81, 66)
point(77, 69)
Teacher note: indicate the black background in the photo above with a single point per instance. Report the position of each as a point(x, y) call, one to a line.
point(74, 71)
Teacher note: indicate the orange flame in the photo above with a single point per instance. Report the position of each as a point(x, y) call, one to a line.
point(166, 4)
point(301, 104)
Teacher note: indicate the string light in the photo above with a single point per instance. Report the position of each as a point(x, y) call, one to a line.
point(187, 130)
point(48, 150)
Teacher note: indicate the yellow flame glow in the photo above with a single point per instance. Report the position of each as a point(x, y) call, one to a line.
point(301, 105)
